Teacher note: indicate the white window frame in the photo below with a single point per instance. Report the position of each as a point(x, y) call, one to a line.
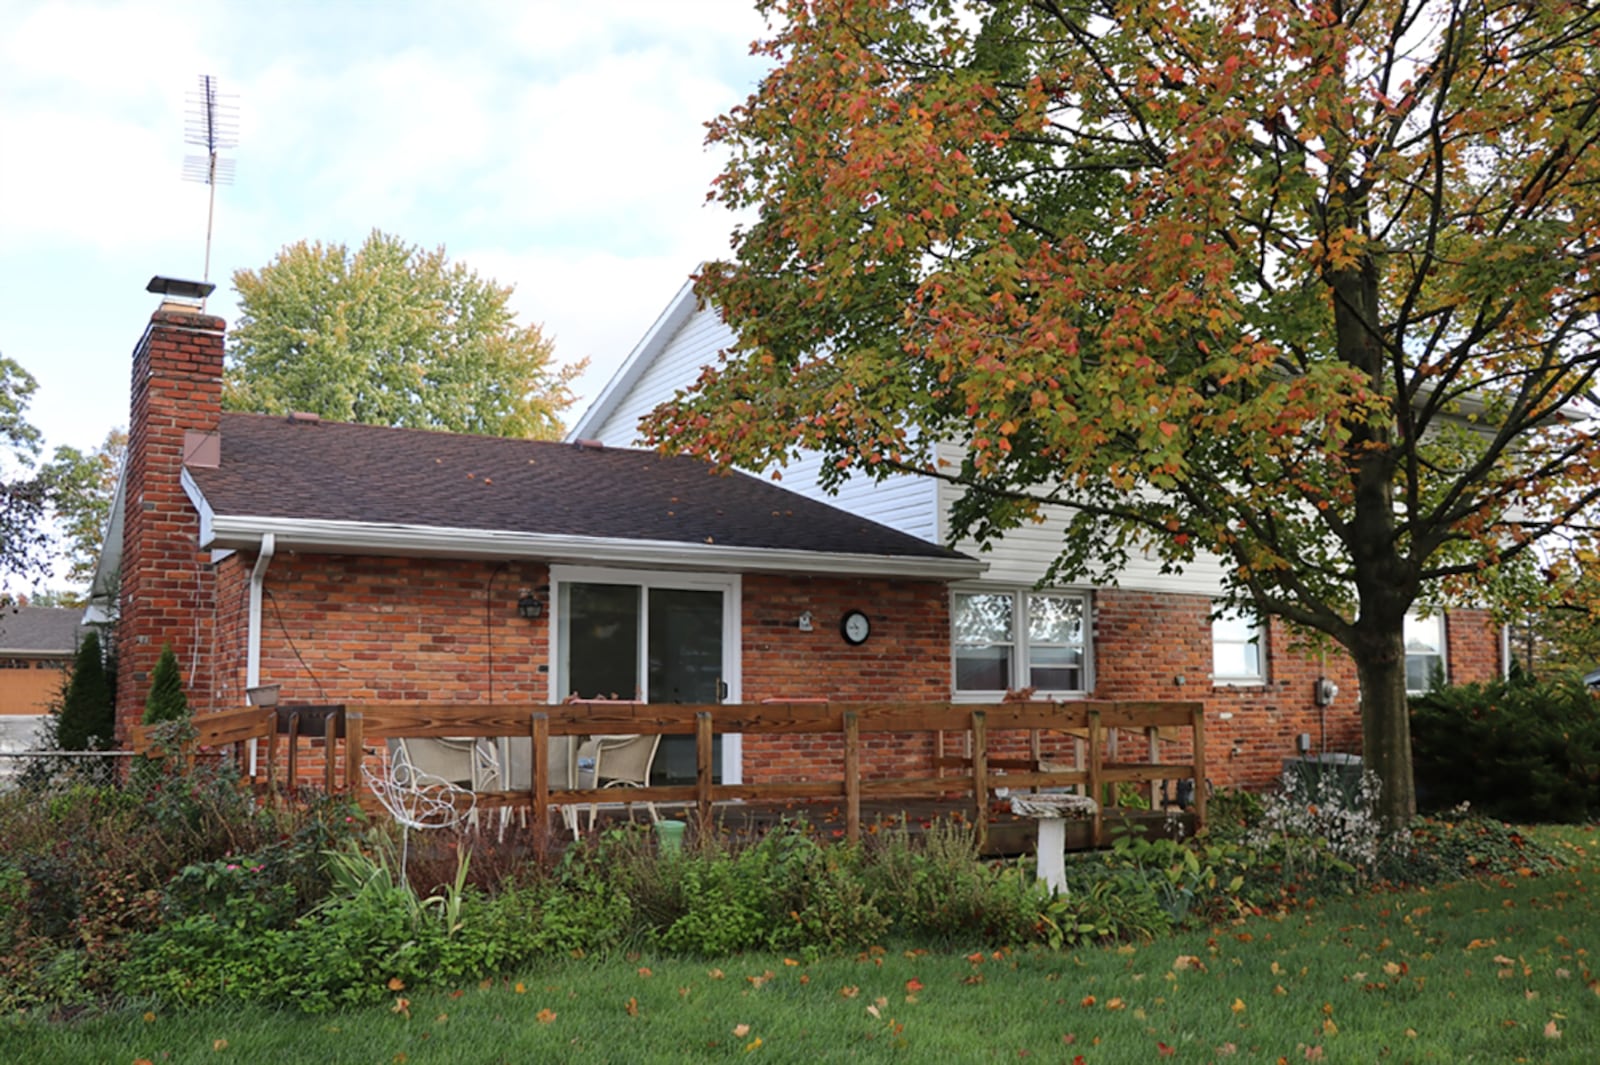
point(1019, 643)
point(1225, 624)
point(1415, 623)
point(731, 587)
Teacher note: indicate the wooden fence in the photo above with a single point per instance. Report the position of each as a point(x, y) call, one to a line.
point(1091, 726)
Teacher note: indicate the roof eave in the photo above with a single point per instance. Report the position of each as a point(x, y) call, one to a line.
point(347, 537)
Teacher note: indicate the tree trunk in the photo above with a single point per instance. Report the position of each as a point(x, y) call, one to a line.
point(1386, 722)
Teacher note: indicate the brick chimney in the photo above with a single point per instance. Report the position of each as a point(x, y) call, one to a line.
point(166, 584)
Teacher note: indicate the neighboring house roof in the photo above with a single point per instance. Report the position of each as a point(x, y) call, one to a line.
point(329, 486)
point(39, 630)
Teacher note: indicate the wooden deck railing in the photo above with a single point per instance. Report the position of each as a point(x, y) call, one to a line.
point(1090, 725)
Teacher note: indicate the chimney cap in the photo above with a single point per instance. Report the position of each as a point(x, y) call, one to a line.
point(172, 286)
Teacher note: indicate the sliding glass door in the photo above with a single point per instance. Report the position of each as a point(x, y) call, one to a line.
point(656, 637)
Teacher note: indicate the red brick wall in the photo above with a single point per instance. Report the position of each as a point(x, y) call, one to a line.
point(344, 628)
point(1155, 646)
point(166, 589)
point(906, 659)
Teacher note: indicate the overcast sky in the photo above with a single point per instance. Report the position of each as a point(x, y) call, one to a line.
point(553, 146)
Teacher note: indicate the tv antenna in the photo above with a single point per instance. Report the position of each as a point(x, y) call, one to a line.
point(211, 122)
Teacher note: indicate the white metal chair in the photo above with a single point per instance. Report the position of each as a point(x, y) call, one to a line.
point(617, 762)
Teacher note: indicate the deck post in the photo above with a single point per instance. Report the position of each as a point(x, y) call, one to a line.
point(1096, 786)
point(539, 781)
point(704, 755)
point(1152, 739)
point(1198, 719)
point(354, 739)
point(852, 776)
point(294, 750)
point(272, 751)
point(980, 775)
point(330, 748)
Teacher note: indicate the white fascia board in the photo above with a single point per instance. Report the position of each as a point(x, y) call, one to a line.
point(644, 353)
point(349, 537)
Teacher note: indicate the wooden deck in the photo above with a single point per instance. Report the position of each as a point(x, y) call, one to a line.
point(969, 766)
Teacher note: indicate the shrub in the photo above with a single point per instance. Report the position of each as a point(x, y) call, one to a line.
point(1518, 750)
point(166, 700)
point(87, 720)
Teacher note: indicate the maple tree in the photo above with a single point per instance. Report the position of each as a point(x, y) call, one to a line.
point(1305, 288)
point(390, 334)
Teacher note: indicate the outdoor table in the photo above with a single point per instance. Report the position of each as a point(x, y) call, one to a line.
point(1053, 811)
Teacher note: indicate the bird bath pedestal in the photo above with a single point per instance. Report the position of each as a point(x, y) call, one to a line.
point(1053, 812)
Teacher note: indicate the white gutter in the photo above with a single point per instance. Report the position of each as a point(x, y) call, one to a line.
point(334, 537)
point(252, 664)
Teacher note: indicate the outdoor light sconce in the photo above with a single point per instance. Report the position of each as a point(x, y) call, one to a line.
point(530, 607)
point(265, 695)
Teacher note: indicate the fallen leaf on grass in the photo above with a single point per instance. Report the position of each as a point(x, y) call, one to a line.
point(913, 985)
point(1551, 1031)
point(1226, 1049)
point(741, 1030)
point(632, 1007)
point(402, 1006)
point(222, 1044)
point(1116, 1004)
point(716, 974)
point(396, 984)
point(1238, 1005)
point(545, 1016)
point(849, 991)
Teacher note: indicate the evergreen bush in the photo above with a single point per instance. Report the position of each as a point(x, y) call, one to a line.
point(1517, 750)
point(88, 717)
point(166, 701)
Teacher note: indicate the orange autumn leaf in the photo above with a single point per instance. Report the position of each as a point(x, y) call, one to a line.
point(545, 1016)
point(1238, 1005)
point(521, 988)
point(1116, 1004)
point(913, 985)
point(632, 1006)
point(1551, 1031)
point(741, 1030)
point(396, 984)
point(849, 991)
point(1088, 1000)
point(644, 971)
point(219, 1044)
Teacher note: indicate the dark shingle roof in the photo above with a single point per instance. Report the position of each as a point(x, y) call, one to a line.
point(272, 467)
point(40, 630)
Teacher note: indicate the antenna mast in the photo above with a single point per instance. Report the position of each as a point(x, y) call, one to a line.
point(212, 123)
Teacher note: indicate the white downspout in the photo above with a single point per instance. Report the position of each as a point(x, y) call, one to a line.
point(252, 664)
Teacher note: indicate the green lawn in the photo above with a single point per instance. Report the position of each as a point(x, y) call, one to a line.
point(1494, 971)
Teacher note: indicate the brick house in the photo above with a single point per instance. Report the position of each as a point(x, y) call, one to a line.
point(37, 646)
point(351, 564)
point(1150, 636)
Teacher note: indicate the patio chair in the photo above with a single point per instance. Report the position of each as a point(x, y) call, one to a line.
point(561, 761)
point(617, 762)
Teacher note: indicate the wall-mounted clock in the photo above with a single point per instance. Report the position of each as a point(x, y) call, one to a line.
point(855, 627)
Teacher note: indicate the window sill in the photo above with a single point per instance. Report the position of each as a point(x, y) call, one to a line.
point(1238, 682)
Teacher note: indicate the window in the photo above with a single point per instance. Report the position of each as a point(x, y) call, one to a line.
point(1007, 640)
point(1236, 648)
point(1425, 665)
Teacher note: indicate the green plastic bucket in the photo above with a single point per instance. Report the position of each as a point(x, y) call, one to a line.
point(670, 836)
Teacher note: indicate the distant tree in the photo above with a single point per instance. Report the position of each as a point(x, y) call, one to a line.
point(166, 701)
point(24, 535)
point(87, 720)
point(82, 485)
point(390, 335)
